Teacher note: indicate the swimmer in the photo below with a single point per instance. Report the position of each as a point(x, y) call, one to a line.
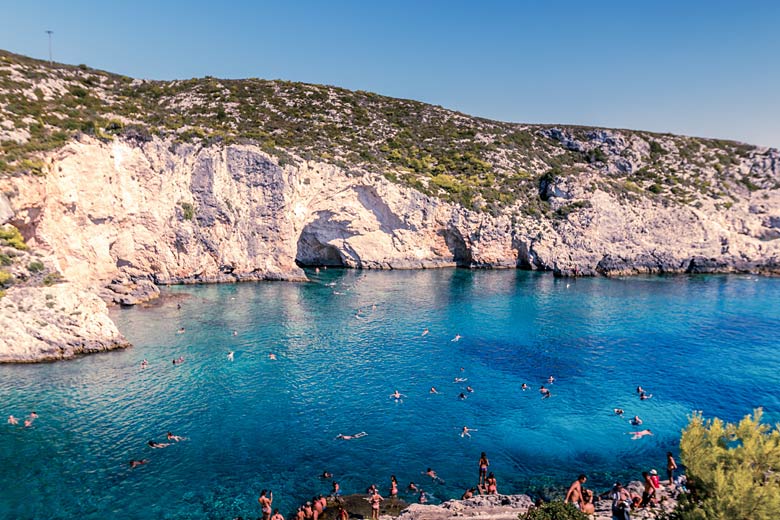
point(462, 396)
point(460, 380)
point(235, 333)
point(144, 363)
point(27, 423)
point(618, 411)
point(412, 488)
point(469, 389)
point(175, 438)
point(456, 338)
point(545, 392)
point(272, 356)
point(180, 331)
point(433, 390)
point(12, 420)
point(33, 416)
point(524, 387)
point(643, 396)
point(636, 421)
point(640, 434)
point(425, 332)
point(136, 463)
point(230, 356)
point(423, 497)
point(350, 437)
point(431, 473)
point(336, 489)
point(397, 395)
point(326, 474)
point(551, 379)
point(156, 445)
point(466, 431)
point(640, 390)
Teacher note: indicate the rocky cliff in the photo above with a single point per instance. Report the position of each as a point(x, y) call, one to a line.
point(117, 205)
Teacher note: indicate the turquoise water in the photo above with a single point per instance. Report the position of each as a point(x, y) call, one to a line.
point(706, 343)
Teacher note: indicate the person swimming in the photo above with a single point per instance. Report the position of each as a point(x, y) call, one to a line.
point(462, 396)
point(466, 432)
point(469, 389)
point(635, 421)
point(144, 363)
point(431, 473)
point(397, 395)
point(551, 379)
point(433, 390)
point(180, 331)
point(272, 356)
point(230, 356)
point(425, 332)
point(350, 437)
point(412, 487)
point(456, 338)
point(640, 434)
point(136, 463)
point(643, 396)
point(619, 412)
point(524, 387)
point(12, 420)
point(545, 392)
point(326, 474)
point(175, 438)
point(460, 380)
point(153, 444)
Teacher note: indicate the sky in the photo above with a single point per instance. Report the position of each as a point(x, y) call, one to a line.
point(703, 68)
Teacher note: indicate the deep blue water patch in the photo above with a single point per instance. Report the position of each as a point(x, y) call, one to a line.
point(706, 343)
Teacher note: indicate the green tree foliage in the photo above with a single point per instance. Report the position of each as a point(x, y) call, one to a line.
point(733, 468)
point(553, 511)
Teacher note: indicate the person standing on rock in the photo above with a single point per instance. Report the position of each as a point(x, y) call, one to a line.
point(375, 500)
point(574, 494)
point(671, 465)
point(265, 503)
point(621, 502)
point(483, 467)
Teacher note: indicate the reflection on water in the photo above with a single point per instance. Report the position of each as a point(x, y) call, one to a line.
point(706, 342)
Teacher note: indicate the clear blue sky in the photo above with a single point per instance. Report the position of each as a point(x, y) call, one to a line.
point(705, 68)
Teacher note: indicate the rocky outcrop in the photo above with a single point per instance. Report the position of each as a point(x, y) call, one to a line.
point(57, 322)
point(120, 218)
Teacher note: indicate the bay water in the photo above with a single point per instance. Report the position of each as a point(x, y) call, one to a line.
point(347, 340)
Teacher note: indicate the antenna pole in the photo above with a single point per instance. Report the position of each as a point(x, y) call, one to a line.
point(51, 61)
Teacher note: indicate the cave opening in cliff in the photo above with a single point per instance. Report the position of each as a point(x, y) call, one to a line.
point(314, 253)
point(461, 254)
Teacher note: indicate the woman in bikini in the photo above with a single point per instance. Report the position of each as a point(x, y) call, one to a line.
point(483, 467)
point(375, 500)
point(393, 486)
point(265, 503)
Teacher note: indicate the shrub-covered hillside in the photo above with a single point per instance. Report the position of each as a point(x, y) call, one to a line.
point(481, 164)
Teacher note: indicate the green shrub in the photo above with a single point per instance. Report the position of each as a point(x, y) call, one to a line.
point(51, 279)
point(12, 237)
point(188, 210)
point(5, 278)
point(735, 469)
point(553, 511)
point(35, 267)
point(5, 260)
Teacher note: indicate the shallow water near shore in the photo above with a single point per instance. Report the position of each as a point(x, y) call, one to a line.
point(706, 343)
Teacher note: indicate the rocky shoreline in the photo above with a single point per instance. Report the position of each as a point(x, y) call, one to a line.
point(484, 507)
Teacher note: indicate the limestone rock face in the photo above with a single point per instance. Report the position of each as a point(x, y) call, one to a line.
point(120, 218)
point(57, 322)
